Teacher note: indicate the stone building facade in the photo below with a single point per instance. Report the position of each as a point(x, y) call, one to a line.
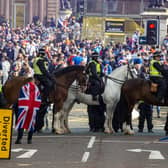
point(21, 12)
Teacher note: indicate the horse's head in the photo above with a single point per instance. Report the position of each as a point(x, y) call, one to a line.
point(82, 80)
point(132, 71)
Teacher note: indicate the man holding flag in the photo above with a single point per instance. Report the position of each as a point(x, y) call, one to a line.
point(28, 105)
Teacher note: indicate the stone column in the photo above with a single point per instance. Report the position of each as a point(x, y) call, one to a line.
point(30, 10)
point(7, 9)
point(41, 10)
point(2, 7)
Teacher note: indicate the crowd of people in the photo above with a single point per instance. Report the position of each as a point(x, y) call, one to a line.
point(63, 46)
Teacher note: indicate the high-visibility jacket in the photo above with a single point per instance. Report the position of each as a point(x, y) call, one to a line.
point(153, 70)
point(0, 88)
point(36, 68)
point(98, 67)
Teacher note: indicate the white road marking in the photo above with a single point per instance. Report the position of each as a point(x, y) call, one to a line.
point(87, 154)
point(28, 154)
point(23, 165)
point(17, 150)
point(154, 154)
point(85, 157)
point(91, 142)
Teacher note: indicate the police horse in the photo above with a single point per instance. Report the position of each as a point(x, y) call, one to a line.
point(132, 91)
point(62, 80)
point(110, 96)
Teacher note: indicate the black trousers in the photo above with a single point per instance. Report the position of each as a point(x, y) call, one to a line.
point(145, 114)
point(96, 117)
point(20, 134)
point(46, 82)
point(94, 87)
point(166, 125)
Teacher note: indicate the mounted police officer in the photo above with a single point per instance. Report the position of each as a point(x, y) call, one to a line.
point(41, 73)
point(156, 75)
point(95, 71)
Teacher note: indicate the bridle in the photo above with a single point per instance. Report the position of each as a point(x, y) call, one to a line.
point(130, 70)
point(120, 82)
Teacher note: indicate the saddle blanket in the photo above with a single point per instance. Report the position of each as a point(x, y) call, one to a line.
point(28, 105)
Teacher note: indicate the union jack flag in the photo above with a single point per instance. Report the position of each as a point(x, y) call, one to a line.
point(28, 105)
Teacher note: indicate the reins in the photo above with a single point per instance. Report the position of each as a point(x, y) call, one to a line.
point(118, 81)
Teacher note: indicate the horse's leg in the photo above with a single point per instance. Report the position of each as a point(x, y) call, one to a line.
point(67, 108)
point(57, 123)
point(108, 119)
point(57, 118)
point(111, 110)
point(53, 121)
point(66, 125)
point(128, 130)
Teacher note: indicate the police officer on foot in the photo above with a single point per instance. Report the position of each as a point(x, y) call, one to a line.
point(95, 113)
point(41, 73)
point(95, 71)
point(156, 75)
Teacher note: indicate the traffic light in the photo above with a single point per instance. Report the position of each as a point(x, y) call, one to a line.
point(152, 32)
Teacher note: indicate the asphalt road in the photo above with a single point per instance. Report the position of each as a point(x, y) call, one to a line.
point(89, 151)
point(83, 149)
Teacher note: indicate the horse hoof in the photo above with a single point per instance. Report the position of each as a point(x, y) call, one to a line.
point(60, 132)
point(128, 132)
point(107, 131)
point(67, 131)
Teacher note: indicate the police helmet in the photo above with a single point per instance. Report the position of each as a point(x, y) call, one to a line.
point(95, 55)
point(157, 54)
point(42, 51)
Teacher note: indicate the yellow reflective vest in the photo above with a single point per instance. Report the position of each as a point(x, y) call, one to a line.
point(36, 68)
point(98, 67)
point(0, 88)
point(153, 70)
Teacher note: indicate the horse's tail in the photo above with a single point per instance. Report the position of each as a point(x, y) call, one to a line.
point(120, 112)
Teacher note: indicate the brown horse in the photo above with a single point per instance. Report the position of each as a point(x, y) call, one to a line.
point(132, 91)
point(62, 80)
point(11, 89)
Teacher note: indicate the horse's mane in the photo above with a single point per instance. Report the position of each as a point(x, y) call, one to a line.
point(68, 69)
point(117, 70)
